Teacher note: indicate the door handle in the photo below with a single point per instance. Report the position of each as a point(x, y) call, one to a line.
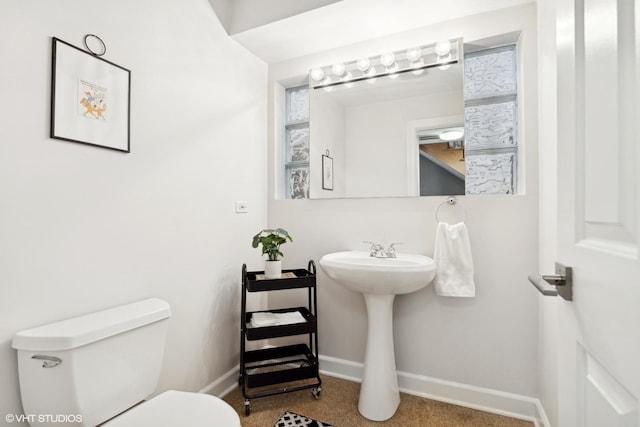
point(560, 283)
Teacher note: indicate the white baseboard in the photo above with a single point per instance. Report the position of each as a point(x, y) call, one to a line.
point(480, 398)
point(469, 396)
point(223, 385)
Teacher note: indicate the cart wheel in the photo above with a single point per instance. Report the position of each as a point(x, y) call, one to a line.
point(316, 392)
point(247, 407)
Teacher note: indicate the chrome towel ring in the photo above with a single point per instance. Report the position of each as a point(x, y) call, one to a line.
point(451, 200)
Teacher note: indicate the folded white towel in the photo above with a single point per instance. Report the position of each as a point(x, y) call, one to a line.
point(452, 254)
point(276, 319)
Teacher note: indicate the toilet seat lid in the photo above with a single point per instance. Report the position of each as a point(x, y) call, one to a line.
point(179, 409)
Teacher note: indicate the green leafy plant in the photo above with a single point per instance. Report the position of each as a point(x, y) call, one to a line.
point(271, 239)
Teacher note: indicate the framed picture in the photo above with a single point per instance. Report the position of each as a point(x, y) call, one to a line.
point(327, 171)
point(90, 98)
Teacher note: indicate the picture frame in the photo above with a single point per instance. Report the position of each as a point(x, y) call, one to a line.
point(327, 172)
point(90, 99)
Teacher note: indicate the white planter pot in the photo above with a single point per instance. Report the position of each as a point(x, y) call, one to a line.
point(273, 269)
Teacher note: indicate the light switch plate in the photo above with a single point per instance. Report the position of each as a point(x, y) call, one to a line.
point(242, 206)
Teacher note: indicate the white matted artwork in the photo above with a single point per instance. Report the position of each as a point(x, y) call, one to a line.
point(327, 172)
point(90, 98)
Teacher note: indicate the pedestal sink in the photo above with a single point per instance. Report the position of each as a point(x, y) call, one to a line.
point(379, 280)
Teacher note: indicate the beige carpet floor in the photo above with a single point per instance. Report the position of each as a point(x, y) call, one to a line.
point(338, 405)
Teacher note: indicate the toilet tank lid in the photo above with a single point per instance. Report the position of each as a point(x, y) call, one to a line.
point(82, 330)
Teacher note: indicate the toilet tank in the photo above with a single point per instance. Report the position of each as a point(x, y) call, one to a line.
point(109, 361)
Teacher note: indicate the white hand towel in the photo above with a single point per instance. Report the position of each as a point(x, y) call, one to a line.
point(452, 254)
point(276, 319)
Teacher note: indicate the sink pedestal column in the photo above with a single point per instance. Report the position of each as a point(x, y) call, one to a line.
point(379, 394)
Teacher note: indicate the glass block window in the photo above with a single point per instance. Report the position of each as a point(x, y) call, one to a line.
point(296, 165)
point(490, 173)
point(297, 140)
point(491, 124)
point(298, 104)
point(491, 120)
point(298, 182)
point(490, 72)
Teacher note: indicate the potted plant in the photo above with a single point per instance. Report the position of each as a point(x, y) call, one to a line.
point(271, 239)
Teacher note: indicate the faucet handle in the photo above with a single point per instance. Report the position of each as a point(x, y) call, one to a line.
point(375, 248)
point(391, 249)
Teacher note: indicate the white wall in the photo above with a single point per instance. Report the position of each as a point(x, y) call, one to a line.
point(85, 228)
point(489, 341)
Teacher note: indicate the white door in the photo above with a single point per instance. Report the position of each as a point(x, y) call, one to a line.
point(599, 211)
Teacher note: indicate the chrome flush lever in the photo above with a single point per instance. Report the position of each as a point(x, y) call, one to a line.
point(48, 361)
point(560, 283)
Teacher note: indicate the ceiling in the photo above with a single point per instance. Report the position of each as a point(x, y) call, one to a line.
point(324, 25)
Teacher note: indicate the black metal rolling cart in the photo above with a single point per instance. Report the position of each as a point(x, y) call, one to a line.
point(286, 364)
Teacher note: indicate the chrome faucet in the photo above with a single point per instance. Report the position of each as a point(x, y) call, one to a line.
point(378, 251)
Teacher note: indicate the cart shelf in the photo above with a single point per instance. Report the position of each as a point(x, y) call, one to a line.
point(265, 332)
point(291, 279)
point(280, 365)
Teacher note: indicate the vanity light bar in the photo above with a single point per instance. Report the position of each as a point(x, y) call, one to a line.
point(389, 64)
point(385, 74)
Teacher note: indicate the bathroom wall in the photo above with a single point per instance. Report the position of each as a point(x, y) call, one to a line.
point(489, 341)
point(84, 228)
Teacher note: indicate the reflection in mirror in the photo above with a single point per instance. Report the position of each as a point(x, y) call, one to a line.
point(374, 114)
point(442, 167)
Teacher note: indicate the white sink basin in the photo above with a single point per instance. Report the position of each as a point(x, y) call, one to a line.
point(362, 273)
point(379, 280)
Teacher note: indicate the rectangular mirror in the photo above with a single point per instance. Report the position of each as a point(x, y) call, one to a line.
point(389, 126)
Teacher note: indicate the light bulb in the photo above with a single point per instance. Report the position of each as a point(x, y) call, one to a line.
point(363, 64)
point(443, 48)
point(444, 58)
point(387, 59)
point(346, 76)
point(317, 74)
point(393, 70)
point(417, 64)
point(371, 72)
point(338, 69)
point(413, 54)
point(325, 81)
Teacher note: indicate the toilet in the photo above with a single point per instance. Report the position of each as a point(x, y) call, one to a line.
point(99, 367)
